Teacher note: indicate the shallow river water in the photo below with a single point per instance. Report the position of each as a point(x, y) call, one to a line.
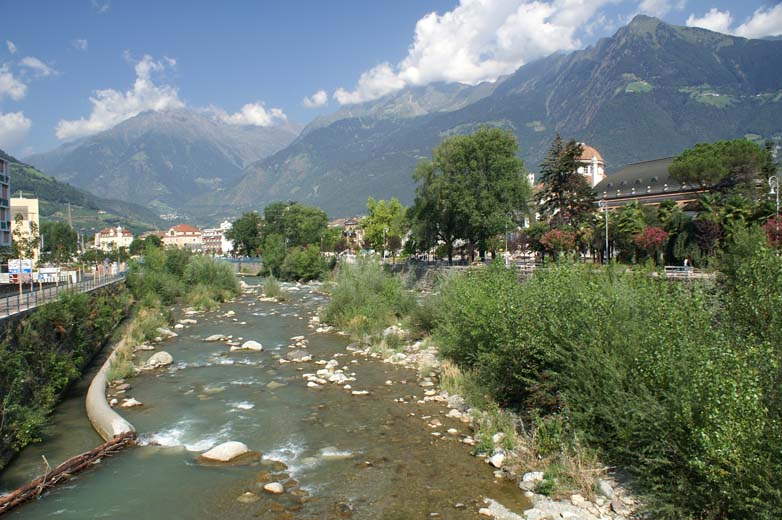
point(346, 456)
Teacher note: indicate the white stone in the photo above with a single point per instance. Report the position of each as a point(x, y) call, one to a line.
point(497, 438)
point(533, 476)
point(248, 345)
point(496, 460)
point(179, 326)
point(215, 337)
point(359, 392)
point(485, 511)
point(275, 488)
point(159, 359)
point(226, 452)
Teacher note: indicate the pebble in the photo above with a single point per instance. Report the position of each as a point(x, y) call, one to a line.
point(274, 488)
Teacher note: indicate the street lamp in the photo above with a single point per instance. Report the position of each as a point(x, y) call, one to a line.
point(385, 230)
point(604, 207)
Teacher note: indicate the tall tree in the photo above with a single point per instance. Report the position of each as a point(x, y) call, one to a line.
point(473, 189)
point(299, 224)
point(385, 219)
point(24, 239)
point(60, 242)
point(724, 166)
point(566, 196)
point(246, 233)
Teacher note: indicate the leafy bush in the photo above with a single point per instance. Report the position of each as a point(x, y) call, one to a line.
point(656, 375)
point(365, 299)
point(303, 264)
point(272, 288)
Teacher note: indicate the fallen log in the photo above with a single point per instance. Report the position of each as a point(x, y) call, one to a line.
point(62, 472)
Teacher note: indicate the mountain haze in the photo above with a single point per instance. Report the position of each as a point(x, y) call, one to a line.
point(163, 159)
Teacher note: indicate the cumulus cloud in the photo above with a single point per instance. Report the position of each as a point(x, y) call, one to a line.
point(39, 68)
point(110, 107)
point(255, 114)
point(660, 7)
point(765, 21)
point(11, 46)
point(479, 40)
point(79, 44)
point(10, 85)
point(318, 99)
point(713, 20)
point(13, 129)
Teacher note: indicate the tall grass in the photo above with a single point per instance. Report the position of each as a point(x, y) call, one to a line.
point(365, 299)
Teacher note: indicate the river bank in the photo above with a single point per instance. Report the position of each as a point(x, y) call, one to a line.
point(340, 454)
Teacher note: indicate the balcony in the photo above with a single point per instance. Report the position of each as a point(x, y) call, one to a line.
point(4, 178)
point(4, 203)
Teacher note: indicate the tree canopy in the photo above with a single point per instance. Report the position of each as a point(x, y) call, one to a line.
point(473, 188)
point(60, 242)
point(386, 219)
point(724, 165)
point(246, 234)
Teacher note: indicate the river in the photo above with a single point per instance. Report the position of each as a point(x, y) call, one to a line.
point(344, 455)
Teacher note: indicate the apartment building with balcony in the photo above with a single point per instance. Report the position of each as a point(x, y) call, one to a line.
point(5, 204)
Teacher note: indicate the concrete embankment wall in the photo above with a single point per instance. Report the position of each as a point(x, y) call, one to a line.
point(103, 418)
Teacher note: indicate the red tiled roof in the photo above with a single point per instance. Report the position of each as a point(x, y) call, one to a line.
point(185, 228)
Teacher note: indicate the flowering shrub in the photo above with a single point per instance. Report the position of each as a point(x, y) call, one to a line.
point(557, 241)
point(651, 239)
point(773, 229)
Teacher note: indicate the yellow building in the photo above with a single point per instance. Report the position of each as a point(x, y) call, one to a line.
point(28, 209)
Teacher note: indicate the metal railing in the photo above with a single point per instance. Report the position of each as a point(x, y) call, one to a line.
point(30, 299)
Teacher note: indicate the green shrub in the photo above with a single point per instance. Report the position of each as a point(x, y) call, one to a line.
point(365, 299)
point(303, 264)
point(273, 289)
point(674, 381)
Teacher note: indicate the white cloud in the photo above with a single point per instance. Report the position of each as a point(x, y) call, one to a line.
point(318, 99)
point(38, 67)
point(80, 44)
point(110, 107)
point(255, 114)
point(764, 22)
point(10, 86)
point(101, 7)
point(13, 129)
point(11, 46)
point(479, 40)
point(714, 20)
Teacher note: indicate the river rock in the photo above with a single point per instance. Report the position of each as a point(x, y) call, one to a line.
point(298, 356)
point(248, 345)
point(159, 359)
point(248, 498)
point(179, 326)
point(275, 488)
point(188, 321)
point(215, 337)
point(226, 451)
point(619, 507)
point(605, 488)
point(130, 403)
point(497, 459)
point(274, 385)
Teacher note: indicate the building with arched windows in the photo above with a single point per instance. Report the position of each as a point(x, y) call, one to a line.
point(591, 165)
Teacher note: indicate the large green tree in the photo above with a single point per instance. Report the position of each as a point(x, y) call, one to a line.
point(300, 225)
point(385, 219)
point(474, 188)
point(60, 241)
point(246, 234)
point(725, 166)
point(566, 197)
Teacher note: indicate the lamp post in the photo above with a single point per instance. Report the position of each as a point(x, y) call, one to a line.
point(604, 208)
point(385, 230)
point(773, 185)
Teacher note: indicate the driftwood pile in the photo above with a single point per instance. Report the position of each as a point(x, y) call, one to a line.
point(62, 472)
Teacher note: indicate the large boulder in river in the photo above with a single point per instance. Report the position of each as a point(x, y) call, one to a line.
point(215, 337)
point(248, 345)
point(159, 359)
point(226, 452)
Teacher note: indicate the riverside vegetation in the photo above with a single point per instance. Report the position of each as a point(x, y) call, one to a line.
point(676, 383)
point(44, 352)
point(162, 278)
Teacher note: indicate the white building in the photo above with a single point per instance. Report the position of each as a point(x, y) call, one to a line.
point(184, 236)
point(591, 165)
point(113, 238)
point(214, 241)
point(5, 205)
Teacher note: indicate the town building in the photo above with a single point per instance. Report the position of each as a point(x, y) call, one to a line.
point(351, 231)
point(214, 241)
point(109, 239)
point(5, 204)
point(646, 182)
point(591, 165)
point(29, 224)
point(184, 236)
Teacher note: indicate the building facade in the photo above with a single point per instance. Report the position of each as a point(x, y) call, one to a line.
point(184, 236)
point(591, 165)
point(113, 238)
point(28, 224)
point(5, 204)
point(214, 241)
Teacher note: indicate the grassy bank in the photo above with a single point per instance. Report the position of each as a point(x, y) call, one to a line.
point(160, 279)
point(677, 383)
point(44, 352)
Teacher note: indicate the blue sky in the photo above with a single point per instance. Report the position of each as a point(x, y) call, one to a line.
point(69, 69)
